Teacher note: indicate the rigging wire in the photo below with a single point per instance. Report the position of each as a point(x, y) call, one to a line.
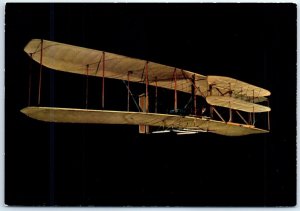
point(29, 80)
point(136, 104)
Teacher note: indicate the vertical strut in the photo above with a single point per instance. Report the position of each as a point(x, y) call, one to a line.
point(253, 109)
point(268, 116)
point(194, 95)
point(29, 80)
point(230, 110)
point(253, 116)
point(103, 70)
point(230, 113)
point(147, 83)
point(175, 90)
point(40, 77)
point(155, 94)
point(128, 90)
point(210, 107)
point(87, 86)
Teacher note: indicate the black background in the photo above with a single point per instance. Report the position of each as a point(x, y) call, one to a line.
point(77, 164)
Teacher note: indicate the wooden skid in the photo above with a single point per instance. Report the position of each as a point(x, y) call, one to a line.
point(237, 104)
point(70, 115)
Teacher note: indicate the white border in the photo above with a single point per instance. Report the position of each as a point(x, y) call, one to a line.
point(160, 1)
point(2, 100)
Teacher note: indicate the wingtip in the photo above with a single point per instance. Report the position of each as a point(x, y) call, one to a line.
point(32, 46)
point(24, 110)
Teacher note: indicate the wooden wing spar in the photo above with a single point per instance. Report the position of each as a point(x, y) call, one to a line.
point(218, 91)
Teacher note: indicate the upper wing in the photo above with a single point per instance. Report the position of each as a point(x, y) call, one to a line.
point(69, 115)
point(75, 59)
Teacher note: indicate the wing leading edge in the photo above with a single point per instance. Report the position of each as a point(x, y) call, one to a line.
point(69, 115)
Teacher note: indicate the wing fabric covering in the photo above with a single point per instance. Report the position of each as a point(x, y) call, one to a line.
point(237, 104)
point(68, 115)
point(217, 90)
point(74, 59)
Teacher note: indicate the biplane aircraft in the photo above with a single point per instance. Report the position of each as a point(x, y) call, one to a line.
point(219, 92)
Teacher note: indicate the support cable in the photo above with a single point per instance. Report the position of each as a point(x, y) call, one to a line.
point(29, 80)
point(269, 126)
point(103, 70)
point(147, 83)
point(40, 76)
point(218, 114)
point(87, 87)
point(128, 90)
point(242, 117)
point(156, 95)
point(136, 104)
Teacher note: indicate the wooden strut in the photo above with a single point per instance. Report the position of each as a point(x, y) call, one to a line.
point(230, 110)
point(175, 91)
point(218, 114)
point(103, 70)
point(128, 90)
point(210, 107)
point(40, 77)
point(155, 94)
point(242, 117)
point(147, 83)
point(29, 80)
point(253, 114)
point(230, 114)
point(87, 86)
point(194, 94)
point(269, 126)
point(250, 113)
